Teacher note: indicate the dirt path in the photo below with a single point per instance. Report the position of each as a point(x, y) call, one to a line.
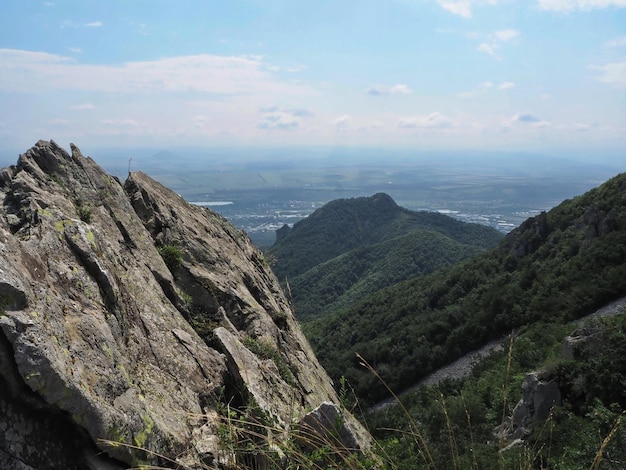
point(463, 366)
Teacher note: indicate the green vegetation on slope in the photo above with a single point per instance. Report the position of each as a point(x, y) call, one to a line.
point(345, 224)
point(555, 267)
point(457, 419)
point(350, 248)
point(342, 281)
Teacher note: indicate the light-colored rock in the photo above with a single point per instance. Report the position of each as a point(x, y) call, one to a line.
point(96, 330)
point(326, 426)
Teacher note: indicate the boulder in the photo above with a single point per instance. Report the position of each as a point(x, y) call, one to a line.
point(327, 425)
point(539, 396)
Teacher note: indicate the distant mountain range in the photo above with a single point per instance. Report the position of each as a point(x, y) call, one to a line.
point(352, 247)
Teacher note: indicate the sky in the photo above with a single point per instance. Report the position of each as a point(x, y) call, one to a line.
point(535, 75)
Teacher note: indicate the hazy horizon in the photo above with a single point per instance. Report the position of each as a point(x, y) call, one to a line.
point(545, 76)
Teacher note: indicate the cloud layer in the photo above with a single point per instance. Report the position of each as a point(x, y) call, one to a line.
point(399, 89)
point(28, 72)
point(571, 5)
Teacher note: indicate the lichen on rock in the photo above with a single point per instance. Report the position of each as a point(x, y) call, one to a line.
point(99, 336)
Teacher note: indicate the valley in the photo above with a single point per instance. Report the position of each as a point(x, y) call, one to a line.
point(259, 190)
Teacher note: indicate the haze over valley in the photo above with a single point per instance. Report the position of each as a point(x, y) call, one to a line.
point(259, 190)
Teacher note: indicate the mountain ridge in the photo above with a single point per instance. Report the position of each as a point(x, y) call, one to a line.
point(350, 247)
point(554, 267)
point(344, 224)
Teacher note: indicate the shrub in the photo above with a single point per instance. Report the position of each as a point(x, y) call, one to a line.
point(84, 213)
point(265, 350)
point(172, 255)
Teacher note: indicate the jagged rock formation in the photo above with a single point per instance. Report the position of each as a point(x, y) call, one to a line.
point(104, 347)
point(528, 237)
point(587, 339)
point(540, 394)
point(598, 222)
point(535, 231)
point(325, 424)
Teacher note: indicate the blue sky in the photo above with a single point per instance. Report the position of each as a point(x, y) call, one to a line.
point(537, 75)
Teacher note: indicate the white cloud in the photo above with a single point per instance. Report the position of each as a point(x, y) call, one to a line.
point(278, 120)
point(458, 7)
point(15, 58)
point(39, 72)
point(75, 50)
point(342, 123)
point(480, 90)
point(286, 68)
point(399, 89)
point(275, 118)
point(72, 24)
point(484, 88)
point(506, 34)
point(375, 125)
point(253, 57)
point(431, 121)
point(463, 7)
point(488, 48)
point(126, 122)
point(82, 107)
point(571, 5)
point(526, 119)
point(616, 42)
point(268, 109)
point(495, 40)
point(200, 121)
point(611, 73)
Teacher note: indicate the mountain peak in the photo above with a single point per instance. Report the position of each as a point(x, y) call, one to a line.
point(344, 224)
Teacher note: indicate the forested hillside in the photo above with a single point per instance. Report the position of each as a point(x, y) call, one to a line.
point(345, 279)
point(353, 247)
point(478, 423)
point(553, 268)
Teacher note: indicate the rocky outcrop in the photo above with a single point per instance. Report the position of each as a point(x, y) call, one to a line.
point(327, 426)
point(598, 222)
point(528, 237)
point(539, 396)
point(109, 356)
point(282, 232)
point(583, 339)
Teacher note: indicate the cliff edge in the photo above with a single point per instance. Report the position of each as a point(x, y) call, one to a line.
point(130, 319)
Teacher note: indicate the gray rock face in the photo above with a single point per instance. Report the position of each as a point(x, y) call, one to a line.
point(583, 339)
point(104, 348)
point(598, 222)
point(326, 425)
point(528, 237)
point(539, 396)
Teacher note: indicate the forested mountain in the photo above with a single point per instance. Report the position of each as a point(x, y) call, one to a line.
point(555, 267)
point(353, 247)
